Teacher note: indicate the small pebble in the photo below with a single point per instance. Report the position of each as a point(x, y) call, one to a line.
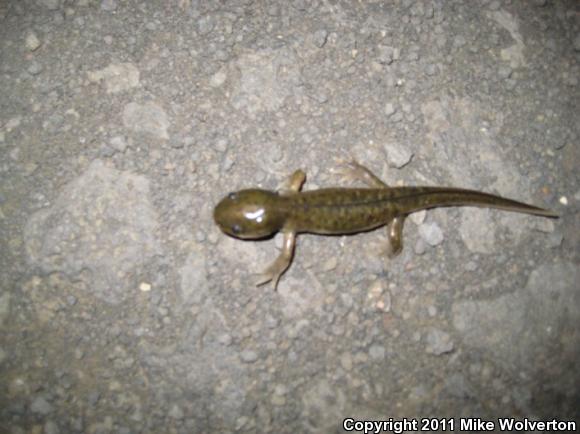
point(384, 303)
point(320, 37)
point(431, 233)
point(118, 143)
point(145, 287)
point(93, 397)
point(71, 300)
point(377, 352)
point(346, 361)
point(79, 354)
point(227, 162)
point(576, 42)
point(272, 322)
point(34, 68)
point(32, 42)
point(438, 342)
point(109, 5)
point(386, 54)
point(431, 69)
point(389, 109)
point(278, 401)
point(471, 266)
point(413, 56)
point(398, 156)
point(432, 310)
point(330, 264)
point(200, 236)
point(41, 406)
point(176, 412)
point(505, 72)
point(459, 41)
point(218, 79)
point(249, 356)
point(280, 390)
point(205, 25)
point(221, 145)
point(555, 239)
point(50, 427)
point(51, 5)
point(418, 217)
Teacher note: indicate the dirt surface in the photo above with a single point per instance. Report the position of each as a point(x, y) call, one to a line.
point(124, 309)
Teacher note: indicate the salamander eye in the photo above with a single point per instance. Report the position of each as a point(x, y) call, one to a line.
point(233, 196)
point(236, 229)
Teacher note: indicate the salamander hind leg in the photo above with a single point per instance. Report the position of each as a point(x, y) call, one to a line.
point(395, 236)
point(352, 170)
point(282, 262)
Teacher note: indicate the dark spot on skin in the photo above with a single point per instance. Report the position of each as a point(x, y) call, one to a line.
point(236, 229)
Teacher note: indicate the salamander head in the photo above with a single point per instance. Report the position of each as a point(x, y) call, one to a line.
point(250, 214)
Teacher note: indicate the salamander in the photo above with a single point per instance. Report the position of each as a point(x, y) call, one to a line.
point(256, 213)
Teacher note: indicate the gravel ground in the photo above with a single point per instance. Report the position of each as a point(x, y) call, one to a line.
point(123, 308)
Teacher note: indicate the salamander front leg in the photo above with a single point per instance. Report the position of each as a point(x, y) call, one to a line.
point(353, 170)
point(395, 236)
point(294, 183)
point(282, 262)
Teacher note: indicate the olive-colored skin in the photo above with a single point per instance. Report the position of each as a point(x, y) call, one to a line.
point(255, 213)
